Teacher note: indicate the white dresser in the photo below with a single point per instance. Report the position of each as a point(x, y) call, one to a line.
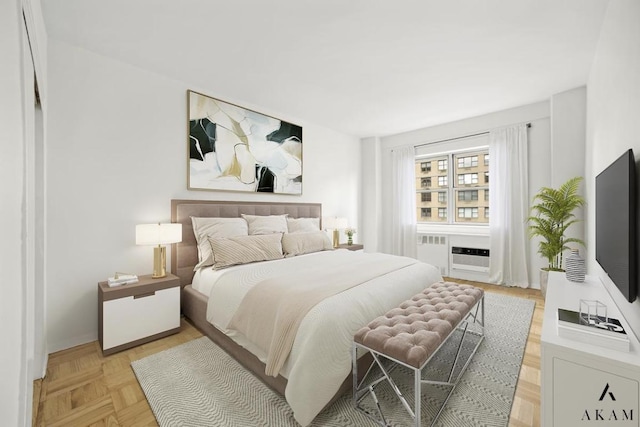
point(585, 384)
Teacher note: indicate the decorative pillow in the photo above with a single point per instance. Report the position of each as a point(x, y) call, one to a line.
point(203, 228)
point(304, 243)
point(228, 251)
point(266, 224)
point(303, 225)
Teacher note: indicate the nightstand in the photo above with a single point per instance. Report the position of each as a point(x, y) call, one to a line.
point(353, 247)
point(130, 315)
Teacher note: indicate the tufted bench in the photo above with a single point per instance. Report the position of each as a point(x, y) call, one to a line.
point(412, 333)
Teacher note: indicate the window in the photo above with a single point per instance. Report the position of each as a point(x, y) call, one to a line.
point(462, 189)
point(468, 162)
point(468, 195)
point(468, 213)
point(467, 178)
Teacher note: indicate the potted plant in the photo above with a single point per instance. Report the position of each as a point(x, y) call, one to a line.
point(551, 216)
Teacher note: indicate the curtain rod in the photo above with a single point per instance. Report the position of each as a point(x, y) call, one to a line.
point(458, 137)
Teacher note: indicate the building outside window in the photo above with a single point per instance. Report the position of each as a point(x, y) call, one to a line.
point(463, 189)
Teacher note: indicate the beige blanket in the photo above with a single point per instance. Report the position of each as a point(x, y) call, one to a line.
point(272, 310)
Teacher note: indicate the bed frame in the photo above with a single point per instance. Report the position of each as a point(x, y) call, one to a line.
point(184, 256)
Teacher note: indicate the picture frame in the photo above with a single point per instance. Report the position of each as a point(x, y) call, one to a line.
point(232, 148)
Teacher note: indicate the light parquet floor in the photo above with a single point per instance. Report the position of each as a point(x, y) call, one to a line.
point(83, 388)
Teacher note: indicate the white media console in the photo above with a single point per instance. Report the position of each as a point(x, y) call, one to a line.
point(585, 384)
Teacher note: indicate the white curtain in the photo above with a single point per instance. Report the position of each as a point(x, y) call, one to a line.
point(508, 206)
point(403, 187)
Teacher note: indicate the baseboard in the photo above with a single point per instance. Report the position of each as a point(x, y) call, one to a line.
point(71, 342)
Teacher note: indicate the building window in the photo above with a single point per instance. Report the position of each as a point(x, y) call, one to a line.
point(469, 213)
point(468, 162)
point(462, 189)
point(467, 195)
point(486, 212)
point(425, 212)
point(467, 178)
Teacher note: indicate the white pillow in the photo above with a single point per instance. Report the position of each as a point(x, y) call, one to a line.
point(303, 225)
point(266, 224)
point(228, 251)
point(203, 228)
point(304, 243)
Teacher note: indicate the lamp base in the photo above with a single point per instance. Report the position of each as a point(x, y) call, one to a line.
point(336, 238)
point(159, 262)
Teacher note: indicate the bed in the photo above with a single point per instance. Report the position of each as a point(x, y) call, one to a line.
point(317, 368)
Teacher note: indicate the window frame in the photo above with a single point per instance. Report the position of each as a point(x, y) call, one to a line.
point(481, 154)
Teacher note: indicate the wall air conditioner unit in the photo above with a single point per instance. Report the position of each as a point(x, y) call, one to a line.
point(470, 259)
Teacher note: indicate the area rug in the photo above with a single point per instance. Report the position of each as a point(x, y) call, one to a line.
point(198, 384)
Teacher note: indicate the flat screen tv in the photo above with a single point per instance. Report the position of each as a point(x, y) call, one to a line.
point(616, 224)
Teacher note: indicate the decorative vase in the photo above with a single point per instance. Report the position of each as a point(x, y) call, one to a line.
point(575, 267)
point(349, 240)
point(544, 280)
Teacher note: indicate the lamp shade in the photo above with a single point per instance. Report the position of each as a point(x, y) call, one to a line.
point(158, 234)
point(334, 222)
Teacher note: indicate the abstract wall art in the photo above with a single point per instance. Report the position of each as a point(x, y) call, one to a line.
point(235, 149)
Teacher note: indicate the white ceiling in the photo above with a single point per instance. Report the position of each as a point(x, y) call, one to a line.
point(363, 67)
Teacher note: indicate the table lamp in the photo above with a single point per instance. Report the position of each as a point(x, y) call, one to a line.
point(158, 234)
point(335, 223)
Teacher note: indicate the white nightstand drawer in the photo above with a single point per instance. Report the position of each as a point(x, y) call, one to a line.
point(131, 318)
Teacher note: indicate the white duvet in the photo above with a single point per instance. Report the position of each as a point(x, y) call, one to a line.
point(320, 359)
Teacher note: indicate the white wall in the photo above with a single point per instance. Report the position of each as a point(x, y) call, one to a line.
point(568, 141)
point(13, 393)
point(117, 156)
point(613, 111)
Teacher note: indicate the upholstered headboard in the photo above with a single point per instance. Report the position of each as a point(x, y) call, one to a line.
point(184, 255)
